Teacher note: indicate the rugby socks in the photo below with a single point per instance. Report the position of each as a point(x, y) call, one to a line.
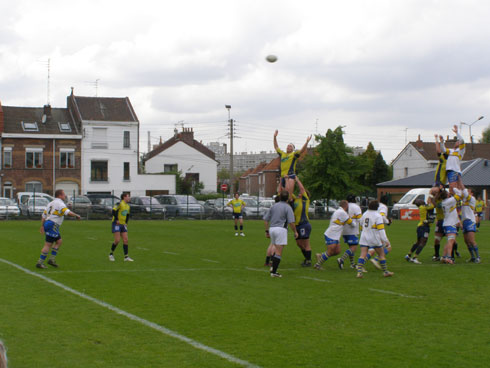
point(368, 256)
point(323, 258)
point(126, 249)
point(307, 254)
point(236, 228)
point(413, 249)
point(360, 264)
point(475, 250)
point(383, 265)
point(437, 247)
point(267, 260)
point(348, 253)
point(478, 225)
point(113, 248)
point(275, 263)
point(54, 253)
point(43, 257)
point(241, 228)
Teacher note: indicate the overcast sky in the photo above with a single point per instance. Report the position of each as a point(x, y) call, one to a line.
point(385, 70)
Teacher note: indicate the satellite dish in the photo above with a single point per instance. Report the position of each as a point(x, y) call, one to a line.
point(43, 120)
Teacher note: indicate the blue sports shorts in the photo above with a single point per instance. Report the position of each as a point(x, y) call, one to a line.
point(119, 228)
point(469, 226)
point(304, 230)
point(439, 227)
point(329, 241)
point(237, 215)
point(450, 230)
point(423, 231)
point(52, 231)
point(351, 239)
point(453, 176)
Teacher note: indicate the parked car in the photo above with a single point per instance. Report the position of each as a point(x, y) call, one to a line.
point(170, 203)
point(252, 209)
point(23, 197)
point(407, 202)
point(104, 205)
point(220, 206)
point(95, 197)
point(208, 207)
point(34, 206)
point(80, 205)
point(8, 208)
point(188, 205)
point(321, 207)
point(145, 204)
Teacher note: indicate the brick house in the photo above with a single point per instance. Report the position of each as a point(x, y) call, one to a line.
point(40, 150)
point(261, 180)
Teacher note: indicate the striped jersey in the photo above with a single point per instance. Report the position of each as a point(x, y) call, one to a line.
point(468, 208)
point(337, 222)
point(424, 212)
point(355, 214)
point(300, 209)
point(449, 205)
point(373, 229)
point(288, 162)
point(55, 211)
point(455, 155)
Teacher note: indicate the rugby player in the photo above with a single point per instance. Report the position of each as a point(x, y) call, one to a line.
point(479, 209)
point(451, 220)
point(120, 218)
point(289, 160)
point(383, 211)
point(237, 204)
point(351, 233)
point(300, 205)
point(51, 220)
point(453, 164)
point(332, 235)
point(469, 225)
point(423, 229)
point(373, 235)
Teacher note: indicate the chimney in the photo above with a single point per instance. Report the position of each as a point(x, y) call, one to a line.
point(1, 118)
point(46, 113)
point(419, 144)
point(187, 136)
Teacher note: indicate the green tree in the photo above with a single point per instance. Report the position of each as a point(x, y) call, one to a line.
point(185, 185)
point(332, 171)
point(485, 137)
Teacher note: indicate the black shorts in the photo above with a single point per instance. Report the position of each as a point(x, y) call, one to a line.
point(423, 231)
point(237, 215)
point(439, 227)
point(304, 230)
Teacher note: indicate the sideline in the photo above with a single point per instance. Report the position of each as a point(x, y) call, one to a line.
point(133, 317)
point(393, 293)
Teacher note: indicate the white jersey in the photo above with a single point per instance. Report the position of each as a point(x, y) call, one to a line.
point(449, 206)
point(373, 229)
point(468, 208)
point(383, 211)
point(455, 156)
point(55, 211)
point(337, 222)
point(355, 214)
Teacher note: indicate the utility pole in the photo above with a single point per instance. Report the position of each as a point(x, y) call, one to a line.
point(230, 121)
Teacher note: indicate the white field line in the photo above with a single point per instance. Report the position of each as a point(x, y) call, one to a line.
point(209, 260)
point(142, 248)
point(313, 278)
point(267, 269)
point(135, 318)
point(142, 270)
point(172, 253)
point(393, 293)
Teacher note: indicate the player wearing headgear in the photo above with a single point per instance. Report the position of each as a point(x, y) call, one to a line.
point(469, 225)
point(373, 235)
point(351, 233)
point(289, 159)
point(237, 204)
point(120, 219)
point(383, 211)
point(300, 205)
point(423, 229)
point(51, 220)
point(339, 219)
point(451, 220)
point(453, 164)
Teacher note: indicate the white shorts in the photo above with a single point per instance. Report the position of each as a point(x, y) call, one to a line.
point(279, 235)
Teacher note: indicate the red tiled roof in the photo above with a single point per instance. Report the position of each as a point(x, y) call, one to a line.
point(169, 143)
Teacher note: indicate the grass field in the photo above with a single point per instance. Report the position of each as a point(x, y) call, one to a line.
point(196, 280)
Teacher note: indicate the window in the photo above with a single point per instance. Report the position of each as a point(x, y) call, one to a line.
point(34, 186)
point(98, 171)
point(34, 158)
point(67, 158)
point(170, 168)
point(126, 141)
point(99, 139)
point(30, 127)
point(126, 171)
point(406, 171)
point(7, 157)
point(8, 190)
point(64, 127)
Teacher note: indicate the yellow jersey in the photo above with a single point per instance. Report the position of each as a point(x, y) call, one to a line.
point(120, 213)
point(288, 162)
point(424, 214)
point(300, 209)
point(237, 205)
point(440, 176)
point(479, 205)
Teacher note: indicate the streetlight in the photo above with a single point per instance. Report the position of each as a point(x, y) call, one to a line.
point(230, 121)
point(469, 127)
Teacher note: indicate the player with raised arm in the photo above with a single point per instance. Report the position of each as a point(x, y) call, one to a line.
point(373, 236)
point(289, 159)
point(351, 233)
point(339, 219)
point(120, 218)
point(453, 164)
point(51, 220)
point(451, 221)
point(237, 204)
point(469, 225)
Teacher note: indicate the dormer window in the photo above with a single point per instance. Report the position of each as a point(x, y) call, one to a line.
point(30, 127)
point(64, 127)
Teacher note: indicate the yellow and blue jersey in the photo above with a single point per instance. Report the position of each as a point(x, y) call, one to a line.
point(300, 209)
point(440, 176)
point(479, 206)
point(120, 213)
point(424, 212)
point(237, 205)
point(288, 162)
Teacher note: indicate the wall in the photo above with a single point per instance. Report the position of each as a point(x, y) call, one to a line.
point(410, 158)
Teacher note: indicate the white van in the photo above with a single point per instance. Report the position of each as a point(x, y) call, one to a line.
point(23, 197)
point(407, 201)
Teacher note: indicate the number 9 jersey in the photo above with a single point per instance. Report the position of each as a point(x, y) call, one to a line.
point(373, 229)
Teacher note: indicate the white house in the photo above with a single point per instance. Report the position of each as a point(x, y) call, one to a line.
point(182, 153)
point(110, 148)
